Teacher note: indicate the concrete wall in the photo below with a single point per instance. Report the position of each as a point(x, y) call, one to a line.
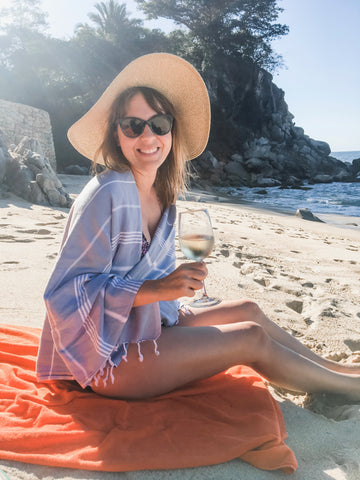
point(18, 120)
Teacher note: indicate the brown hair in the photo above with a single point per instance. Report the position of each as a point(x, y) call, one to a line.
point(172, 175)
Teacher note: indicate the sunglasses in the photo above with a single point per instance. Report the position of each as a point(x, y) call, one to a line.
point(133, 127)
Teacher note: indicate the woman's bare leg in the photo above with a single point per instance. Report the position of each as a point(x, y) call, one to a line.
point(246, 310)
point(193, 353)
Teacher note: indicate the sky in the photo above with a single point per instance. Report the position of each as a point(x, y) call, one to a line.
point(321, 53)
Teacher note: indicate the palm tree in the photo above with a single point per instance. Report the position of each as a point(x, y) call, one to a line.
point(111, 19)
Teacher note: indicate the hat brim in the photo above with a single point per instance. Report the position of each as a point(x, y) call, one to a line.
point(172, 76)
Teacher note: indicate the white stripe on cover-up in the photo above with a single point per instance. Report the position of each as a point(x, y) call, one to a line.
point(100, 345)
point(131, 286)
point(90, 245)
point(126, 238)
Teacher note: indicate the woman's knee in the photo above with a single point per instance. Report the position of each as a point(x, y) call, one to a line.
point(246, 310)
point(254, 340)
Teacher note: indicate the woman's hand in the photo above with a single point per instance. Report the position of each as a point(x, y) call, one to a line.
point(182, 282)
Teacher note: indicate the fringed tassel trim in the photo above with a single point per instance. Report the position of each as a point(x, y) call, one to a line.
point(108, 369)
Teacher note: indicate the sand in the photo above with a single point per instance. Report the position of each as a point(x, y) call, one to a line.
point(304, 275)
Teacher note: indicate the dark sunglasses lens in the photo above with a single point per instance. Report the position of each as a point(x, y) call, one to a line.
point(161, 124)
point(132, 127)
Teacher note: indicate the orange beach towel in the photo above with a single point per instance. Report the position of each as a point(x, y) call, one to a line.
point(231, 415)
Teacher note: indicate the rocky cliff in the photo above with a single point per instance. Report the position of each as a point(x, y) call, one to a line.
point(254, 140)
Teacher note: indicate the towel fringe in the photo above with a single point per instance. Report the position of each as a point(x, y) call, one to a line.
point(124, 357)
point(156, 348)
point(140, 355)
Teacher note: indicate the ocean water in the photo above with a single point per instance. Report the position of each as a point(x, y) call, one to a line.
point(325, 198)
point(347, 157)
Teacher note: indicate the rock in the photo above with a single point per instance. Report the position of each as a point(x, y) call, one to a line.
point(298, 131)
point(30, 144)
point(342, 176)
point(277, 134)
point(355, 166)
point(236, 157)
point(236, 169)
point(35, 195)
point(4, 160)
point(261, 192)
point(322, 179)
point(306, 214)
point(268, 182)
point(76, 170)
point(322, 146)
point(30, 176)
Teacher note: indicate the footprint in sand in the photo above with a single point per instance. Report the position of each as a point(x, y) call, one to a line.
point(4, 238)
point(354, 345)
point(32, 230)
point(238, 264)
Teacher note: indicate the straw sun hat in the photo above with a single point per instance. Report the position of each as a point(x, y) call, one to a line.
point(172, 76)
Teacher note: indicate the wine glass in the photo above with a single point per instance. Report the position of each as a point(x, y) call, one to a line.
point(196, 238)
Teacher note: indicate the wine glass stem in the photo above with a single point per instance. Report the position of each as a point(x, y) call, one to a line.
point(204, 289)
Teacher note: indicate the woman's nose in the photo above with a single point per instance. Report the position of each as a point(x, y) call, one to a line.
point(147, 132)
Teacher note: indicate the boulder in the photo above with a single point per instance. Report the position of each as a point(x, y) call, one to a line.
point(355, 166)
point(76, 170)
point(30, 176)
point(322, 179)
point(268, 182)
point(236, 157)
point(322, 146)
point(4, 160)
point(307, 214)
point(237, 172)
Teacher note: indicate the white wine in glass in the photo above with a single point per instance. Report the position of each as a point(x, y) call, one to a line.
point(196, 238)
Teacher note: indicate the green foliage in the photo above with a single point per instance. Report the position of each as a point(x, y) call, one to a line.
point(65, 77)
point(235, 28)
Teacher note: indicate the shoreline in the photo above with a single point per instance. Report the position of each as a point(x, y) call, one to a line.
point(75, 183)
point(338, 220)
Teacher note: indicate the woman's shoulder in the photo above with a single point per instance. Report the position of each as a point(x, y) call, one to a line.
point(108, 182)
point(112, 179)
point(106, 189)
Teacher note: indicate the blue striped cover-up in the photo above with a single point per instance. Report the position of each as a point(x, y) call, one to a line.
point(90, 317)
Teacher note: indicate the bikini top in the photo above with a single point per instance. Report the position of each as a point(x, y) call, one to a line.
point(145, 245)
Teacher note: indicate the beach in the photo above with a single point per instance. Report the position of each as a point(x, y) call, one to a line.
point(304, 275)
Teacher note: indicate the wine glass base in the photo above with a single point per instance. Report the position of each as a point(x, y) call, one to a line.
point(204, 301)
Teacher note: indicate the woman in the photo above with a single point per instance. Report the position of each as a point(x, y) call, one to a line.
point(113, 320)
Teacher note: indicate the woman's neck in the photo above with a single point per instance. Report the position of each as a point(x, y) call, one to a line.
point(144, 181)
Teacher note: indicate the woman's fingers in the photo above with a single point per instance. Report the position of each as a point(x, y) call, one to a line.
point(196, 269)
point(185, 280)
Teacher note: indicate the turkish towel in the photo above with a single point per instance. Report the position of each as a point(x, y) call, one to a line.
point(231, 415)
point(89, 298)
